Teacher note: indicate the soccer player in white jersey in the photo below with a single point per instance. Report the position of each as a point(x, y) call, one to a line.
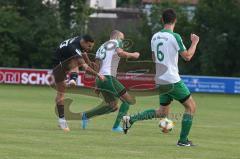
point(107, 58)
point(166, 48)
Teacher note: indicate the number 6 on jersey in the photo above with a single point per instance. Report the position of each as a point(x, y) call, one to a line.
point(160, 55)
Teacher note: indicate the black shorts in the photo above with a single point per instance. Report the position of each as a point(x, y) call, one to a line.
point(59, 73)
point(60, 66)
point(61, 59)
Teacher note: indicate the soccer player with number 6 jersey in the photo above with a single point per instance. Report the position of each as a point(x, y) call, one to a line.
point(166, 47)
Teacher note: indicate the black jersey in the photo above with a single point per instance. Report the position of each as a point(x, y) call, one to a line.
point(68, 49)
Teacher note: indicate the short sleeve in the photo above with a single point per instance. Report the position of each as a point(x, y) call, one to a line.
point(98, 53)
point(75, 51)
point(78, 52)
point(119, 44)
point(152, 46)
point(180, 46)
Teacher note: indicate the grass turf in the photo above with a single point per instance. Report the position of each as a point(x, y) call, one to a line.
point(28, 129)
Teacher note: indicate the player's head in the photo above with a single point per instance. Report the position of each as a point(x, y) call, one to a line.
point(87, 42)
point(116, 34)
point(169, 16)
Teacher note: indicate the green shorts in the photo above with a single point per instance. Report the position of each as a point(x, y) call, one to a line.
point(178, 91)
point(111, 88)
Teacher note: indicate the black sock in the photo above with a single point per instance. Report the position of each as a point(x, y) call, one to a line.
point(60, 109)
point(74, 76)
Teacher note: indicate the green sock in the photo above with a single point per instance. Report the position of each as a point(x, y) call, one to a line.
point(99, 110)
point(186, 126)
point(148, 114)
point(122, 111)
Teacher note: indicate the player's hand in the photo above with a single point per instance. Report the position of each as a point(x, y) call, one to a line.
point(136, 55)
point(194, 38)
point(93, 65)
point(84, 54)
point(101, 77)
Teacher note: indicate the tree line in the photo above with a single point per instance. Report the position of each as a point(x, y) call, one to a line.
point(31, 30)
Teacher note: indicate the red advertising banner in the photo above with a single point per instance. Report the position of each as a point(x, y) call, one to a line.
point(25, 76)
point(44, 77)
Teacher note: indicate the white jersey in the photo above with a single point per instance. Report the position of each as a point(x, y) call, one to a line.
point(108, 57)
point(166, 46)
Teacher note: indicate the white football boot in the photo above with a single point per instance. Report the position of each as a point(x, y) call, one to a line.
point(62, 123)
point(126, 124)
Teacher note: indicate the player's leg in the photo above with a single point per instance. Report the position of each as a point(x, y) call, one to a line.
point(190, 108)
point(152, 113)
point(60, 86)
point(128, 121)
point(60, 98)
point(109, 105)
point(124, 107)
point(110, 89)
point(126, 99)
point(163, 111)
point(183, 95)
point(73, 73)
point(59, 74)
point(110, 101)
point(73, 76)
point(165, 99)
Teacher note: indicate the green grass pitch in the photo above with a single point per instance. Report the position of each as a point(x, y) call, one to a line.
point(28, 129)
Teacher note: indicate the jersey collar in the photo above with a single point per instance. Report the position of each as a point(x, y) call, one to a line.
point(167, 30)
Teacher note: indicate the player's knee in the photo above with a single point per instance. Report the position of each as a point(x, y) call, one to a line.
point(113, 106)
point(59, 99)
point(191, 106)
point(114, 109)
point(131, 101)
point(128, 99)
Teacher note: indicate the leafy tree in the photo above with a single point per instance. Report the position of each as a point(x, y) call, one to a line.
point(31, 30)
point(28, 33)
point(12, 33)
point(81, 16)
point(218, 24)
point(128, 3)
point(65, 10)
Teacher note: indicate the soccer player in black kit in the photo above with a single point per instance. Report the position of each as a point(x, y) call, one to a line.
point(69, 56)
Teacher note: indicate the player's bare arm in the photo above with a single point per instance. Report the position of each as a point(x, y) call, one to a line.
point(128, 55)
point(187, 55)
point(86, 58)
point(88, 69)
point(97, 65)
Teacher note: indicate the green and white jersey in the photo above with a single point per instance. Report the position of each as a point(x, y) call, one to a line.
point(166, 46)
point(108, 57)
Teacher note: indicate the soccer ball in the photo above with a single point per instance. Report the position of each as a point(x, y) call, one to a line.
point(166, 125)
